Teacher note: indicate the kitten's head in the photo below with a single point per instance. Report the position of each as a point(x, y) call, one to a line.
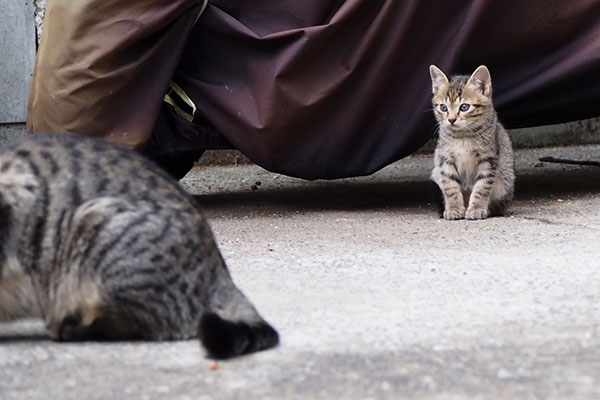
point(462, 103)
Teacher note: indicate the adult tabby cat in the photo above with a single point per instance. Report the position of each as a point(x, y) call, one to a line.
point(473, 160)
point(102, 244)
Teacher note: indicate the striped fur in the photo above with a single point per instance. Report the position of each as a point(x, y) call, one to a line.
point(102, 244)
point(473, 160)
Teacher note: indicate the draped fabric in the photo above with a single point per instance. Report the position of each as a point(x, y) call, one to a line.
point(312, 88)
point(103, 66)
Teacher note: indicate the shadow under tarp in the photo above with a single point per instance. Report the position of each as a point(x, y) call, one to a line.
point(313, 88)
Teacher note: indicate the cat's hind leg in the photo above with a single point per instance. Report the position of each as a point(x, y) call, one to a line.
point(74, 308)
point(83, 303)
point(501, 196)
point(85, 313)
point(498, 207)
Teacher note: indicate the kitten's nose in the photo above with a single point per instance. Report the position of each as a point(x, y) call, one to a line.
point(452, 120)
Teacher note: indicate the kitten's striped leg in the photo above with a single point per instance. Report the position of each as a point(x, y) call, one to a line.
point(480, 197)
point(449, 182)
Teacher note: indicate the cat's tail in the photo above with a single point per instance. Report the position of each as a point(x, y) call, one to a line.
point(223, 338)
point(230, 325)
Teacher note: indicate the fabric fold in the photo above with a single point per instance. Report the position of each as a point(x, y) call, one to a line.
point(314, 88)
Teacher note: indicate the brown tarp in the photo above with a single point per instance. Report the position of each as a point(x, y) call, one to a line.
point(311, 88)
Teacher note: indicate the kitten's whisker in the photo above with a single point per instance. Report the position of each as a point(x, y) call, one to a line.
point(436, 131)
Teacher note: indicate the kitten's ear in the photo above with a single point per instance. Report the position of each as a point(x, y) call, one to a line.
point(438, 78)
point(481, 81)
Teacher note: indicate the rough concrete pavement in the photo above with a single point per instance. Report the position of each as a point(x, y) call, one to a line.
point(374, 296)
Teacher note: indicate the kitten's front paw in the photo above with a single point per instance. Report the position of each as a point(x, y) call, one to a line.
point(476, 213)
point(454, 213)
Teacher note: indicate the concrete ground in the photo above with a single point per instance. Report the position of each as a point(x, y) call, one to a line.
point(373, 295)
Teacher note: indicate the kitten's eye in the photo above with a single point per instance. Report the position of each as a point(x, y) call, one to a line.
point(465, 107)
point(443, 107)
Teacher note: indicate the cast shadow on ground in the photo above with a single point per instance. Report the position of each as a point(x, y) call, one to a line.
point(356, 195)
point(23, 337)
point(329, 196)
point(568, 181)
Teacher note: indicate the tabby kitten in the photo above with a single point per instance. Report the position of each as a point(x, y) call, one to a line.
point(473, 160)
point(102, 244)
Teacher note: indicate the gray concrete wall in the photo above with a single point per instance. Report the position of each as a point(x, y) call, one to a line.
point(10, 132)
point(40, 12)
point(17, 47)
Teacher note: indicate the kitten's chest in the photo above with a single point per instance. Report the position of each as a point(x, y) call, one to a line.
point(466, 161)
point(466, 165)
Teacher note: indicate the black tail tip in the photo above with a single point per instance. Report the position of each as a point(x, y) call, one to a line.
point(225, 339)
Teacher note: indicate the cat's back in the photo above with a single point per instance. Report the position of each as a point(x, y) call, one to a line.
point(82, 168)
